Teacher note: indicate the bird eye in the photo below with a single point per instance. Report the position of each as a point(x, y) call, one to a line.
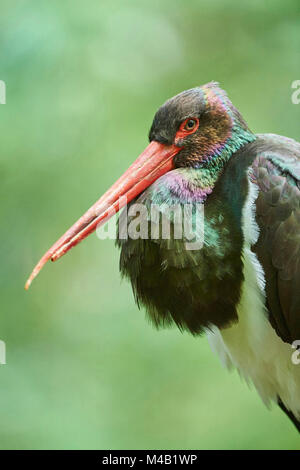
point(190, 124)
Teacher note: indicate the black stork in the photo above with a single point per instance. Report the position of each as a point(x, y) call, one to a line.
point(242, 286)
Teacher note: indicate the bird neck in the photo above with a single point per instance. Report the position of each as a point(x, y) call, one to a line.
point(220, 154)
point(183, 186)
point(195, 184)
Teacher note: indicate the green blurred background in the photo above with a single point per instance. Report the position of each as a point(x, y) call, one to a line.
point(84, 369)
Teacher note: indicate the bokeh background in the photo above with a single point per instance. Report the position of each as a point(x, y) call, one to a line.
point(84, 369)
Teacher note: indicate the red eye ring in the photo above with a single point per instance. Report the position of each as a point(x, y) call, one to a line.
point(187, 127)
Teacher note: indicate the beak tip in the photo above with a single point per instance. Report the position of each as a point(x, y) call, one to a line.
point(54, 257)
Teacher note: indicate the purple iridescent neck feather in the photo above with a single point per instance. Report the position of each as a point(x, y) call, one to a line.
point(183, 185)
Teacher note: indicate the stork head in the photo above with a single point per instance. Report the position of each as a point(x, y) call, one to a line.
point(204, 123)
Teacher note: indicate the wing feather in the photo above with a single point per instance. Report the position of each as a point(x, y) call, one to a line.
point(276, 171)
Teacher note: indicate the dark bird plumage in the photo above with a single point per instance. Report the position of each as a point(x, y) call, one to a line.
point(196, 290)
point(242, 286)
point(276, 172)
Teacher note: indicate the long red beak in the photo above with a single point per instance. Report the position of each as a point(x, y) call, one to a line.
point(153, 162)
